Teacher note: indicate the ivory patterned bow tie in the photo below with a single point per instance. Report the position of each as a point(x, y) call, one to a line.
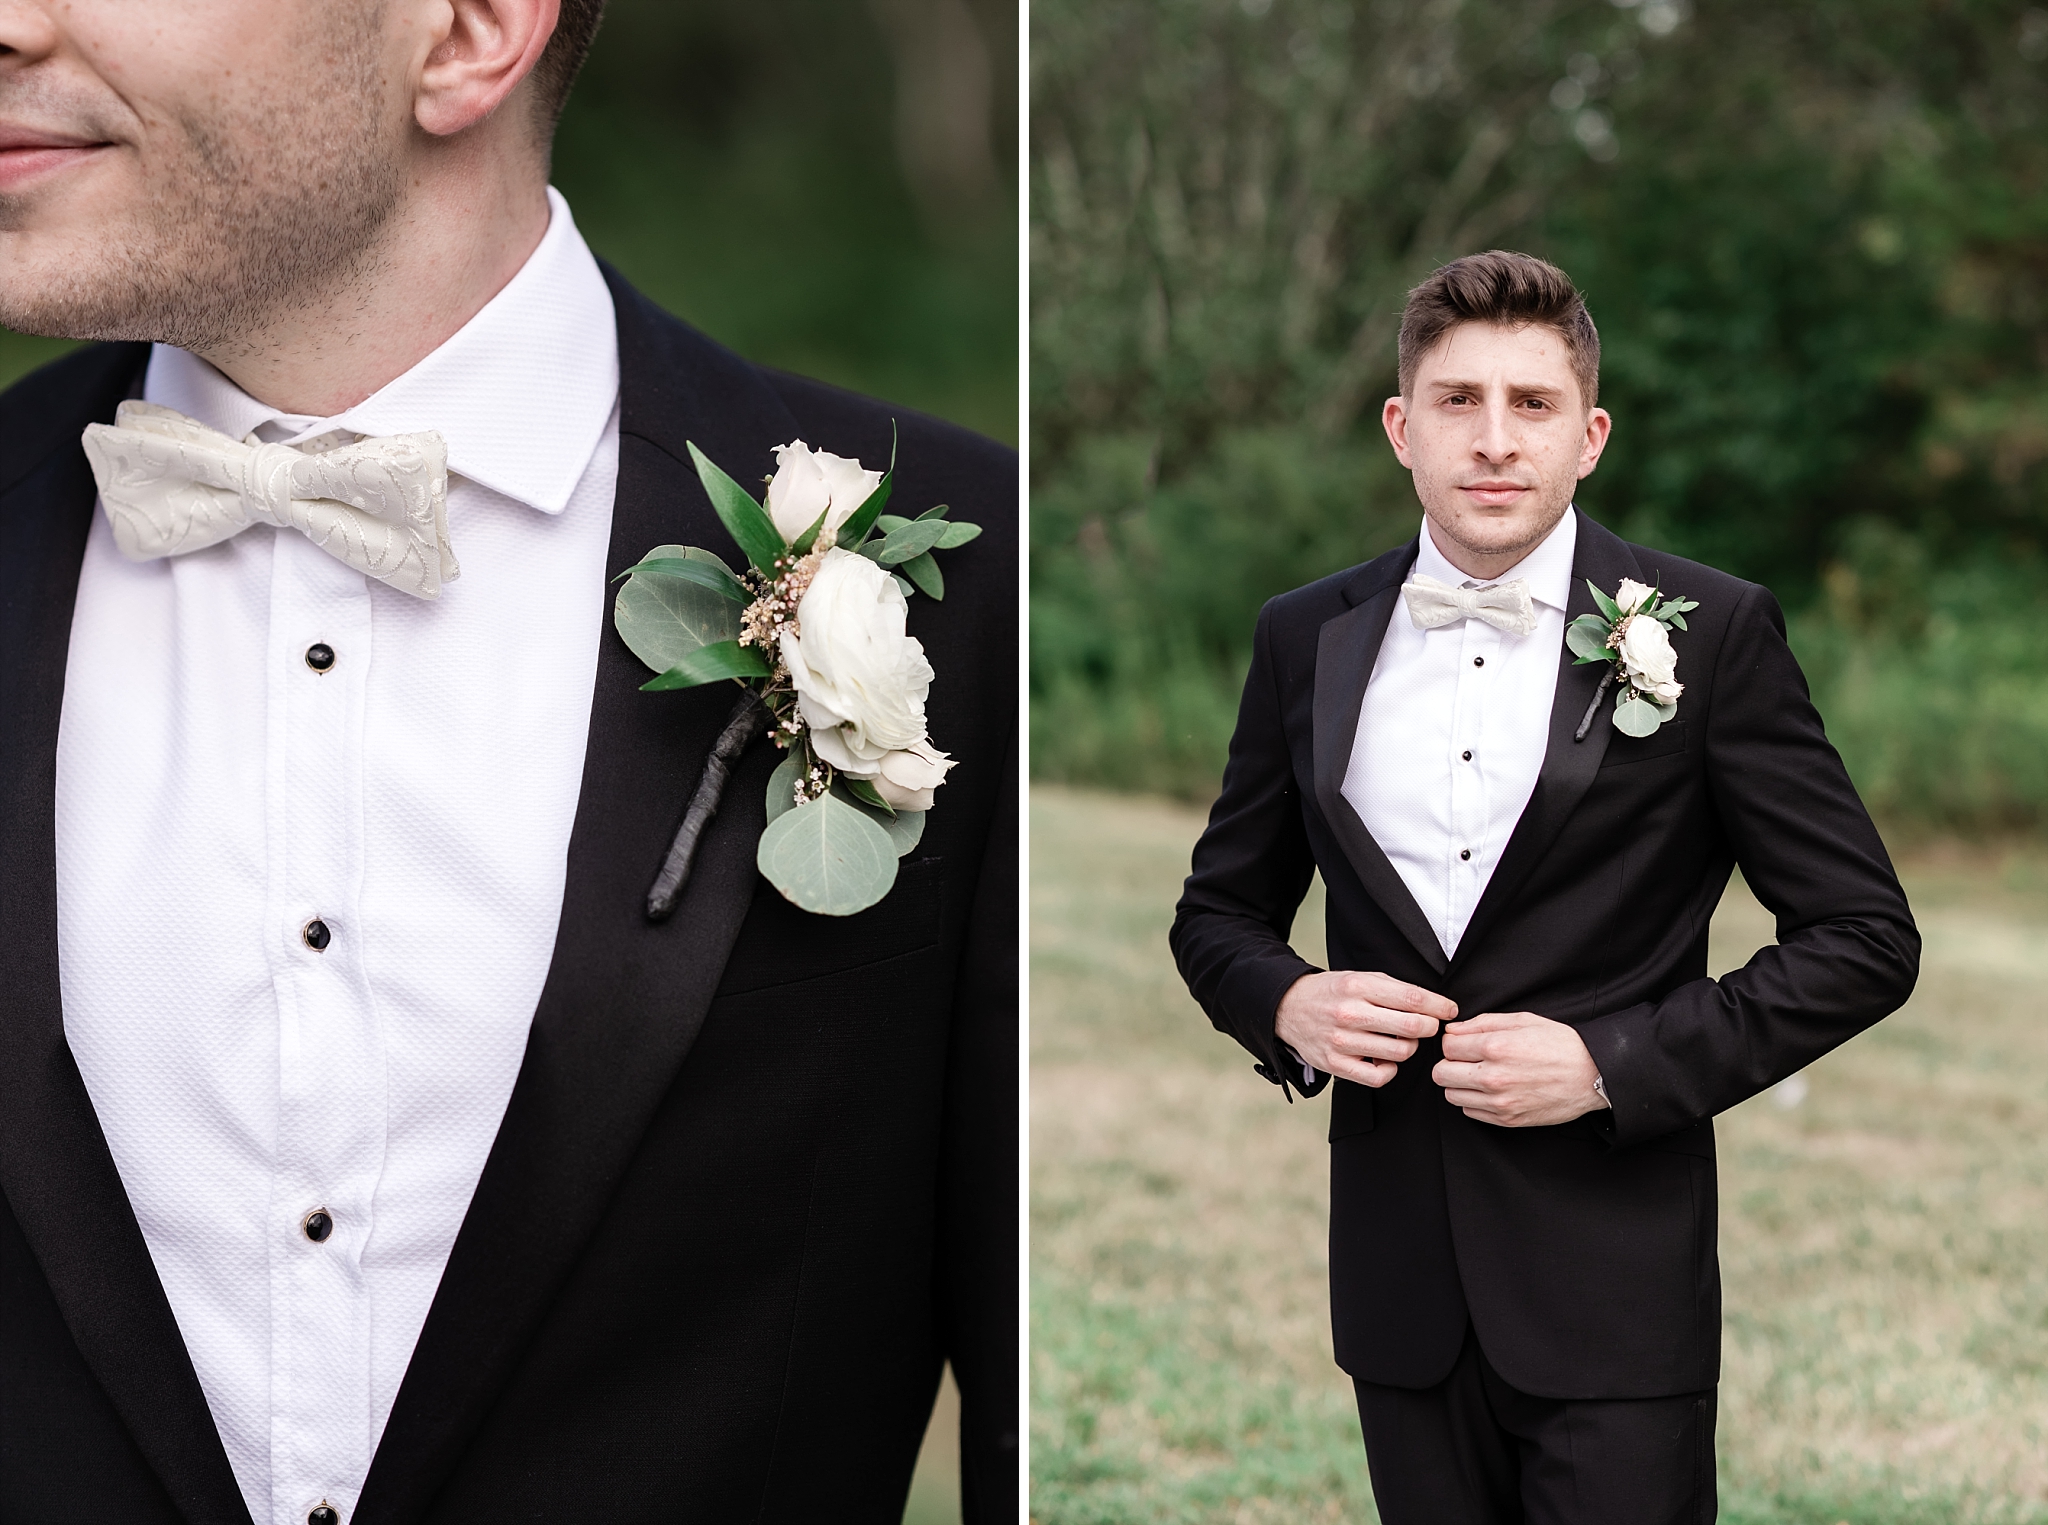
point(1503, 605)
point(172, 485)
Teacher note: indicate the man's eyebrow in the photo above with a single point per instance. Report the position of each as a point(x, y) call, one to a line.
point(1516, 388)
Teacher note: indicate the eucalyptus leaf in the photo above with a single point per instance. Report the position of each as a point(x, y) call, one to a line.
point(710, 664)
point(903, 585)
point(783, 781)
point(710, 573)
point(905, 829)
point(1636, 717)
point(957, 535)
point(912, 540)
point(1587, 638)
point(872, 549)
point(936, 511)
point(1665, 711)
point(924, 571)
point(744, 519)
point(889, 523)
point(1604, 604)
point(828, 857)
point(663, 618)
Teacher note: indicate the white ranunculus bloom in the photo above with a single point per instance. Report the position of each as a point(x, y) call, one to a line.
point(1632, 595)
point(861, 680)
point(1652, 664)
point(810, 482)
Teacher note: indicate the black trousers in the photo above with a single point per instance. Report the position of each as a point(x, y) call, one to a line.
point(1474, 1451)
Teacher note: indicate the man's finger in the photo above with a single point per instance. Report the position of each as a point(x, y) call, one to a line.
point(1467, 1077)
point(1365, 1072)
point(1498, 1021)
point(1401, 996)
point(1370, 1045)
point(1385, 1019)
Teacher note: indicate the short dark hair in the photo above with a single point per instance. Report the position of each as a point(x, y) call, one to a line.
point(559, 63)
point(1508, 289)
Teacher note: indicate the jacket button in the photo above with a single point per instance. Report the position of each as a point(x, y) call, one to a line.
point(318, 1225)
point(316, 935)
point(319, 656)
point(323, 1514)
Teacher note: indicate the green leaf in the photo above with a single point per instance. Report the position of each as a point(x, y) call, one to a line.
point(871, 549)
point(1587, 638)
point(889, 523)
point(663, 617)
point(856, 528)
point(828, 857)
point(938, 511)
point(783, 781)
point(911, 540)
point(905, 829)
point(708, 573)
point(866, 793)
point(744, 519)
point(1635, 717)
point(903, 585)
point(957, 535)
point(1604, 604)
point(1679, 621)
point(709, 664)
point(804, 542)
point(924, 571)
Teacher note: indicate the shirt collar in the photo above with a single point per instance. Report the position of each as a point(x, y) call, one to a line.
point(1547, 569)
point(521, 392)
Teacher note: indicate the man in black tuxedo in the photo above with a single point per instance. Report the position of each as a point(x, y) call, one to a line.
point(689, 1231)
point(1526, 1048)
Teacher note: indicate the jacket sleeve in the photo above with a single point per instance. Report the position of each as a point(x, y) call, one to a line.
point(1251, 868)
point(977, 1265)
point(1847, 953)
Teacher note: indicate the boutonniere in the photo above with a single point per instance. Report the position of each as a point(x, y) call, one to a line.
point(1631, 633)
point(813, 630)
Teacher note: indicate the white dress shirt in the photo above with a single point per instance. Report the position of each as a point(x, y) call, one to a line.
point(1452, 733)
point(215, 794)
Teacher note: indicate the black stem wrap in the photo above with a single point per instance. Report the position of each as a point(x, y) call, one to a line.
point(750, 717)
point(1593, 709)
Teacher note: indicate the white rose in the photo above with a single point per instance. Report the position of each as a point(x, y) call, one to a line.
point(1646, 653)
point(861, 680)
point(1632, 595)
point(810, 482)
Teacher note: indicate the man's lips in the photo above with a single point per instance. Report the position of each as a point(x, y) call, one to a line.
point(1494, 492)
point(26, 154)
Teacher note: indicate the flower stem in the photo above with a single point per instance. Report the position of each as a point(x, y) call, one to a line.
point(1585, 725)
point(750, 717)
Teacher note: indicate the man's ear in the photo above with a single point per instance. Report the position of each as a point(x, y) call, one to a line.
point(1598, 426)
point(1394, 419)
point(484, 49)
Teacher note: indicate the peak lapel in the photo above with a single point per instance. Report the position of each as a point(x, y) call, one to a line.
point(1568, 766)
point(1345, 652)
point(624, 998)
point(60, 1180)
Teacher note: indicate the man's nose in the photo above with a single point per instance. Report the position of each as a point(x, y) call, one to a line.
point(1496, 441)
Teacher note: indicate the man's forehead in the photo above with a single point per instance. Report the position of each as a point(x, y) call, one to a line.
point(1532, 354)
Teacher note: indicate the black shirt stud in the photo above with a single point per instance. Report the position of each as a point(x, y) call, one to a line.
point(319, 657)
point(318, 1225)
point(323, 1514)
point(316, 935)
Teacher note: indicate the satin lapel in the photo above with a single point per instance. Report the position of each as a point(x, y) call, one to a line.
point(1568, 765)
point(624, 999)
point(1345, 652)
point(59, 1177)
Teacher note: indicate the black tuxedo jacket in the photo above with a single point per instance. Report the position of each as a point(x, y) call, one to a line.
point(1583, 1255)
point(757, 1179)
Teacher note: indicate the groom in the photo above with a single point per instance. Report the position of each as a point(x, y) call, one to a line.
point(367, 1154)
point(1527, 1051)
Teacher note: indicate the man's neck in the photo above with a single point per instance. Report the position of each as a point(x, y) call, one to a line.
point(1485, 566)
point(461, 232)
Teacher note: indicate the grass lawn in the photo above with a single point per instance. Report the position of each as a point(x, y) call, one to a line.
point(1884, 1240)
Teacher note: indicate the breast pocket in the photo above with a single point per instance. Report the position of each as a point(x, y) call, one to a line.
point(781, 945)
point(1668, 740)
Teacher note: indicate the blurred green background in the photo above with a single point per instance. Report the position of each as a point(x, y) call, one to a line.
point(827, 186)
point(1815, 239)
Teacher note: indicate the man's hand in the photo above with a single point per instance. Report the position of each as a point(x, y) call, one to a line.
point(1357, 1026)
point(1518, 1070)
